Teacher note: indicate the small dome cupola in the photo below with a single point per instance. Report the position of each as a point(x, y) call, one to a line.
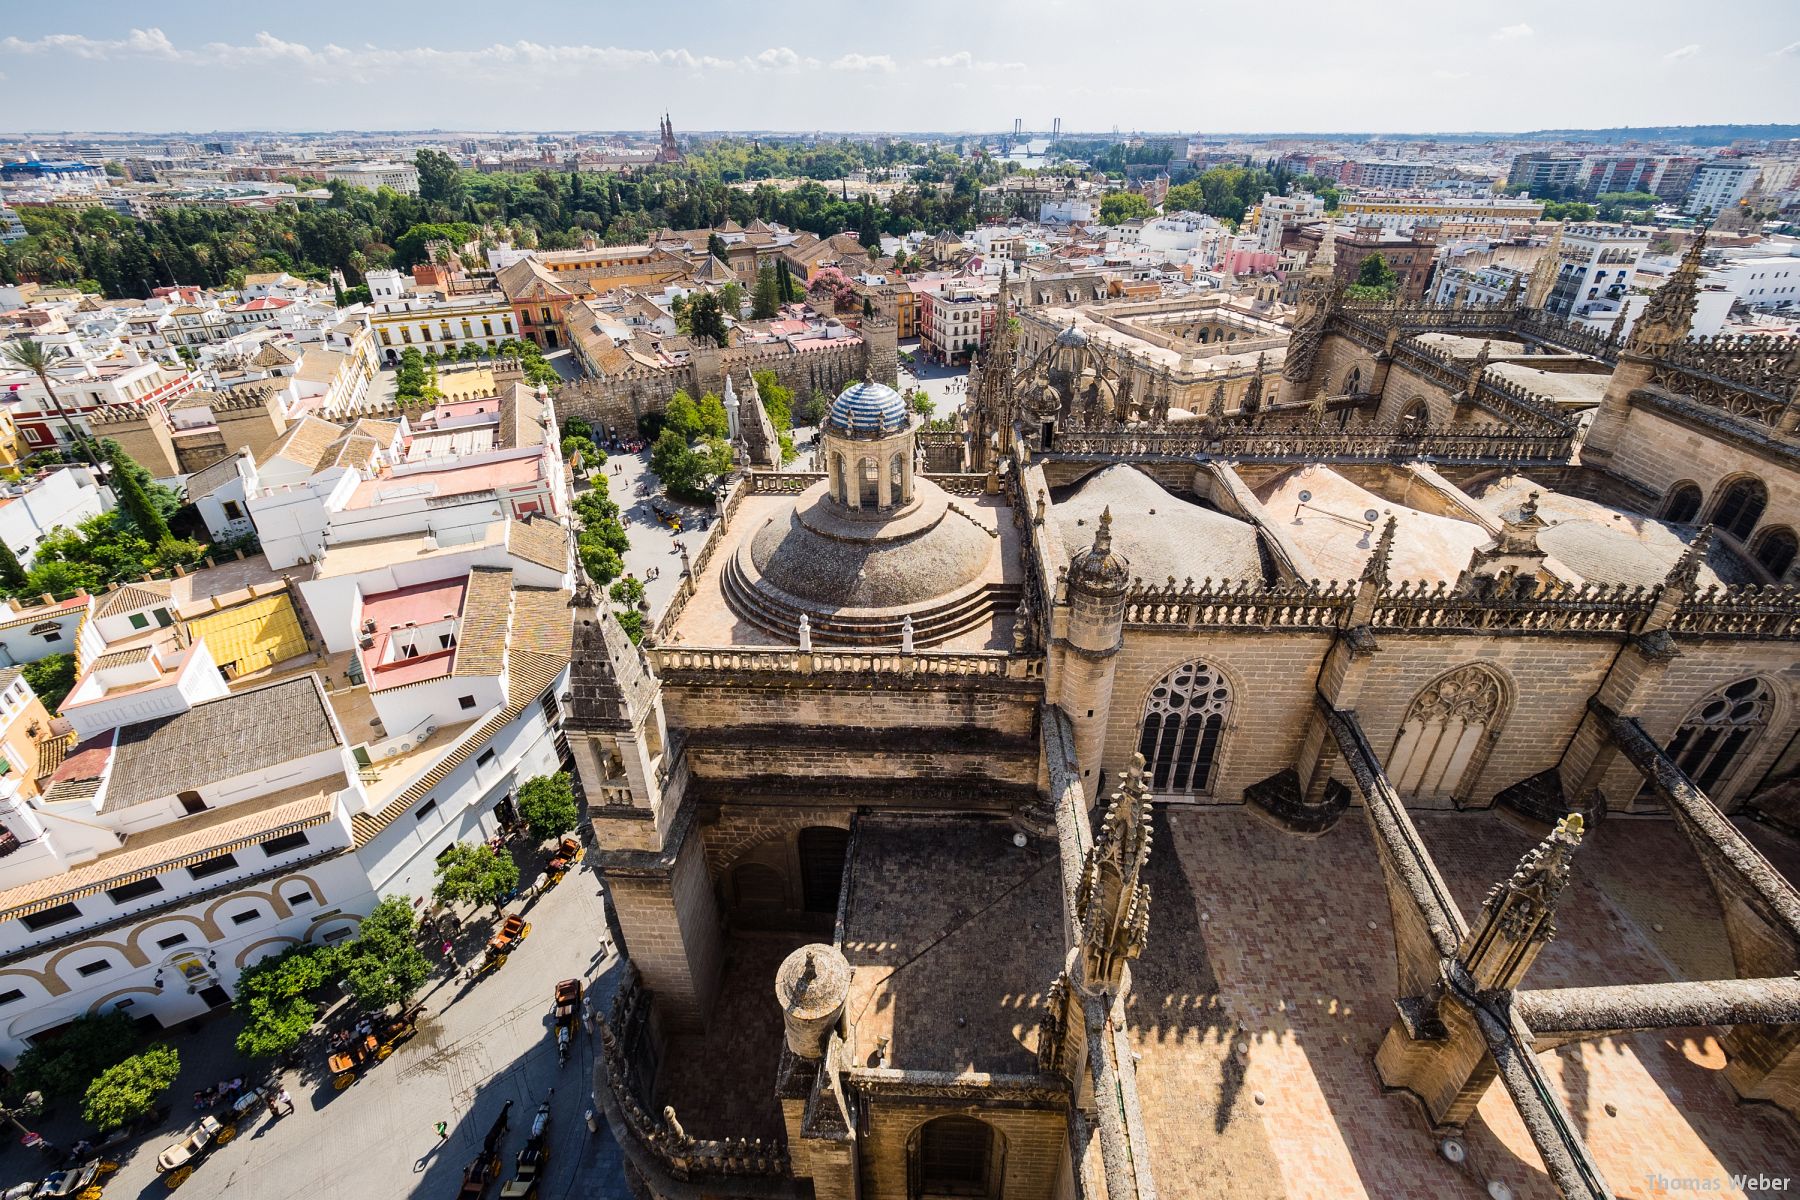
point(867, 410)
point(868, 447)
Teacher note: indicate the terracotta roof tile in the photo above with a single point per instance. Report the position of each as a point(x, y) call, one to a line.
point(530, 671)
point(196, 839)
point(541, 540)
point(486, 612)
point(132, 596)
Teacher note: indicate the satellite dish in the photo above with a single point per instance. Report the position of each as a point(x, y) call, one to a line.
point(1371, 516)
point(1305, 497)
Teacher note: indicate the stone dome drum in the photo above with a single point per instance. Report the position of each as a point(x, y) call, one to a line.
point(867, 410)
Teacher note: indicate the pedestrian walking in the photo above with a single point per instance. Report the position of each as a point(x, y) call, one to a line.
point(447, 949)
point(287, 1102)
point(443, 1131)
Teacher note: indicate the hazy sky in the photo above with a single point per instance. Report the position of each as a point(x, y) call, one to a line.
point(1399, 65)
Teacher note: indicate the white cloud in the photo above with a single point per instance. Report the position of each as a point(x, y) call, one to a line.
point(1687, 51)
point(1792, 48)
point(1442, 74)
point(330, 61)
point(865, 62)
point(1507, 33)
point(966, 61)
point(151, 43)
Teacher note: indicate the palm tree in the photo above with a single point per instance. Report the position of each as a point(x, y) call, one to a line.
point(34, 356)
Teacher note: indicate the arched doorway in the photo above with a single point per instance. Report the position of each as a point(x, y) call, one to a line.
point(822, 851)
point(954, 1156)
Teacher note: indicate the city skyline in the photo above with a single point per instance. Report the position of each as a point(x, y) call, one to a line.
point(539, 68)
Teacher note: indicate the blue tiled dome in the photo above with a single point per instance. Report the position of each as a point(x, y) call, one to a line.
point(867, 410)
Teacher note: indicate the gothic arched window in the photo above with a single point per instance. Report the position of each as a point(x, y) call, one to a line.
point(1444, 733)
point(1682, 504)
point(1353, 381)
point(1740, 506)
point(1415, 416)
point(1775, 550)
point(1719, 730)
point(1184, 720)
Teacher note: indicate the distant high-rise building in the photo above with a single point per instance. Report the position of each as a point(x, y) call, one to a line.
point(1542, 171)
point(1720, 184)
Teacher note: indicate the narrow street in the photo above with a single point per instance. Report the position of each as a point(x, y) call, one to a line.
point(480, 1045)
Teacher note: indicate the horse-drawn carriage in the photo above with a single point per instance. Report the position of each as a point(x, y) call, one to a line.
point(366, 1049)
point(566, 1000)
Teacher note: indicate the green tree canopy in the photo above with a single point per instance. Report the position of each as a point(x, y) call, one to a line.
point(51, 677)
point(547, 802)
point(62, 1067)
point(127, 1090)
point(440, 179)
point(1116, 207)
point(765, 297)
point(134, 500)
point(706, 319)
point(475, 873)
point(1374, 272)
point(384, 965)
point(272, 997)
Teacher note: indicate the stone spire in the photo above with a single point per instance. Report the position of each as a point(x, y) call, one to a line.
point(1113, 899)
point(1478, 367)
point(1543, 272)
point(1519, 914)
point(1618, 327)
point(1325, 261)
point(1098, 569)
point(1680, 583)
point(1252, 402)
point(1669, 316)
point(1215, 408)
point(1375, 571)
point(1374, 579)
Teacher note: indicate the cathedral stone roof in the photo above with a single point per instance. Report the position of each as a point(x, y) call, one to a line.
point(867, 410)
point(817, 557)
point(1159, 534)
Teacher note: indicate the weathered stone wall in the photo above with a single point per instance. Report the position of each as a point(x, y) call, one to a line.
point(1034, 1146)
point(961, 740)
point(1272, 687)
point(1548, 680)
point(619, 400)
point(672, 933)
point(1658, 452)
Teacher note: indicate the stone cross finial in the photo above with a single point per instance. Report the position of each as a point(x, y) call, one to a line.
point(1113, 899)
point(805, 633)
